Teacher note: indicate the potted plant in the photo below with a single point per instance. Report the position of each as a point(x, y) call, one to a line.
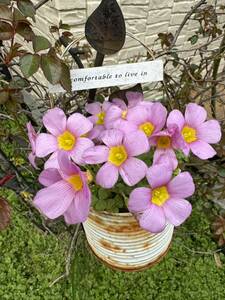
point(117, 172)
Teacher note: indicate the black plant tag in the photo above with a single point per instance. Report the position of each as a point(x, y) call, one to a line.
point(105, 29)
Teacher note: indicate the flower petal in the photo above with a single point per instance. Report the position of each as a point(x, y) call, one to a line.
point(79, 209)
point(113, 113)
point(96, 155)
point(139, 200)
point(158, 116)
point(181, 186)
point(55, 121)
point(176, 117)
point(125, 126)
point(66, 166)
point(45, 144)
point(107, 176)
point(134, 98)
point(49, 177)
point(112, 137)
point(165, 156)
point(93, 108)
point(132, 171)
point(54, 200)
point(31, 158)
point(106, 105)
point(138, 115)
point(210, 132)
point(136, 143)
point(52, 162)
point(153, 219)
point(177, 211)
point(82, 144)
point(32, 135)
point(159, 175)
point(96, 132)
point(202, 149)
point(195, 114)
point(78, 124)
point(120, 103)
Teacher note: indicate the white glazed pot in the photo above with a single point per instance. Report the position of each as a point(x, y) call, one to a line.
point(117, 240)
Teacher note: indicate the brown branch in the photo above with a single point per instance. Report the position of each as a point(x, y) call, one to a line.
point(186, 18)
point(216, 65)
point(40, 3)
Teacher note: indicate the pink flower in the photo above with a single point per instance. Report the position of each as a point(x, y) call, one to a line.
point(32, 135)
point(166, 141)
point(98, 112)
point(197, 133)
point(118, 155)
point(148, 119)
point(67, 135)
point(66, 192)
point(164, 200)
point(117, 113)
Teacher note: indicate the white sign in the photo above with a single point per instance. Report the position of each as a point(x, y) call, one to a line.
point(99, 77)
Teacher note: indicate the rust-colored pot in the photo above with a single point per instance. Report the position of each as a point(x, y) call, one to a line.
point(118, 241)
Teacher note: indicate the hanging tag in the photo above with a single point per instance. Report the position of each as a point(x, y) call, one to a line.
point(116, 75)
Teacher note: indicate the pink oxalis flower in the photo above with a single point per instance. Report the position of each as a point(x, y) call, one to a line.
point(32, 135)
point(164, 200)
point(197, 133)
point(117, 114)
point(98, 112)
point(148, 119)
point(67, 135)
point(66, 192)
point(118, 155)
point(166, 142)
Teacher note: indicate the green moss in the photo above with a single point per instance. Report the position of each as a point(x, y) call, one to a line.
point(30, 261)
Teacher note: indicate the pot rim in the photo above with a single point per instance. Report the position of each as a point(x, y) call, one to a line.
point(107, 213)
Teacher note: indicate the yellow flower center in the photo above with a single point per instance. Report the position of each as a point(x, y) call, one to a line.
point(117, 155)
point(101, 118)
point(76, 182)
point(160, 195)
point(189, 134)
point(163, 142)
point(147, 128)
point(124, 114)
point(66, 141)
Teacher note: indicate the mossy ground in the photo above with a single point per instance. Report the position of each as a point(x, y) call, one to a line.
point(30, 261)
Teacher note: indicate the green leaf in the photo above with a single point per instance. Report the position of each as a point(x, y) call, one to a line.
point(29, 64)
point(40, 43)
point(64, 26)
point(5, 2)
point(6, 31)
point(65, 80)
point(25, 31)
point(103, 194)
point(101, 205)
point(27, 8)
point(6, 13)
point(193, 39)
point(18, 83)
point(51, 67)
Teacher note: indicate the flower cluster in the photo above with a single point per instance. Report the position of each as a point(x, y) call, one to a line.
point(113, 137)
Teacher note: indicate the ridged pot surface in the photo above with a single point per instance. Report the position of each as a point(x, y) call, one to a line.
point(118, 240)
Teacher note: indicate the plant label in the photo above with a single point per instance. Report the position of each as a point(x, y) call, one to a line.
point(116, 75)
